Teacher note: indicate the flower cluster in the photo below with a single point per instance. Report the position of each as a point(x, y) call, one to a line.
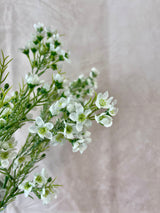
point(66, 112)
point(7, 152)
point(42, 185)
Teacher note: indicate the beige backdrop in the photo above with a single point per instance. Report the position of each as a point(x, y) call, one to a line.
point(119, 172)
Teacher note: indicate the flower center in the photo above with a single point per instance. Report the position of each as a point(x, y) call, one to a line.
point(47, 192)
point(59, 137)
point(68, 129)
point(81, 117)
point(59, 104)
point(21, 159)
point(42, 130)
point(4, 155)
point(39, 179)
point(27, 185)
point(102, 102)
point(102, 117)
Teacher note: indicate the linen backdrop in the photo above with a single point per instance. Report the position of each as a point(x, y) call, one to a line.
point(119, 172)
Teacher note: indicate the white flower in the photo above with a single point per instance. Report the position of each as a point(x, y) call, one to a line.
point(103, 101)
point(69, 130)
point(39, 27)
point(9, 144)
point(46, 86)
point(32, 79)
point(5, 156)
point(80, 116)
point(46, 196)
point(81, 144)
point(19, 161)
point(94, 72)
point(81, 147)
point(31, 45)
point(58, 139)
point(104, 119)
point(41, 128)
point(48, 193)
point(63, 53)
point(41, 179)
point(81, 77)
point(53, 49)
point(58, 78)
point(50, 41)
point(71, 104)
point(113, 111)
point(56, 36)
point(26, 187)
point(5, 163)
point(60, 104)
point(67, 92)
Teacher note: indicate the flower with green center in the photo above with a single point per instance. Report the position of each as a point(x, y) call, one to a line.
point(103, 101)
point(69, 130)
point(42, 129)
point(56, 107)
point(80, 117)
point(41, 179)
point(82, 144)
point(10, 144)
point(5, 156)
point(104, 119)
point(113, 111)
point(21, 160)
point(58, 139)
point(46, 196)
point(26, 187)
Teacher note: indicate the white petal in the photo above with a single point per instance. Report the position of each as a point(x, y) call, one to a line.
point(97, 118)
point(39, 121)
point(53, 109)
point(88, 123)
point(109, 100)
point(105, 95)
point(87, 134)
point(82, 147)
point(88, 140)
point(79, 108)
point(40, 135)
point(79, 127)
point(75, 147)
point(58, 78)
point(33, 129)
point(87, 112)
point(70, 107)
point(73, 116)
point(48, 135)
point(97, 100)
point(107, 122)
point(5, 163)
point(49, 125)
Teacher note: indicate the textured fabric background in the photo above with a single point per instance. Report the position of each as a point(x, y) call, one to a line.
point(120, 171)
